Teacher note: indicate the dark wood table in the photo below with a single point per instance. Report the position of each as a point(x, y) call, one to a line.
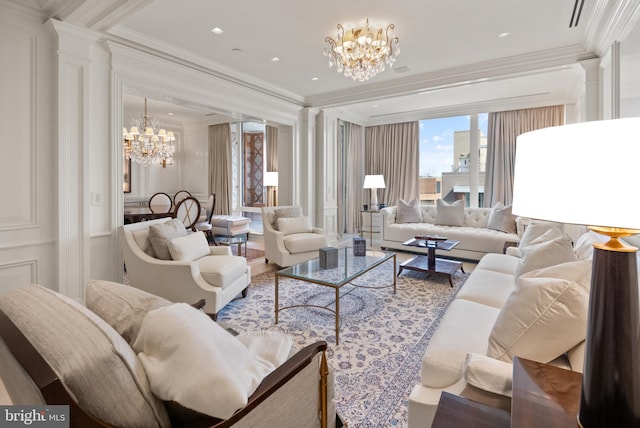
point(430, 263)
point(138, 214)
point(458, 412)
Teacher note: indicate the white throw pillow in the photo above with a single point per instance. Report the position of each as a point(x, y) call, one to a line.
point(289, 225)
point(450, 215)
point(408, 212)
point(501, 218)
point(545, 315)
point(544, 252)
point(536, 228)
point(192, 360)
point(190, 247)
point(583, 248)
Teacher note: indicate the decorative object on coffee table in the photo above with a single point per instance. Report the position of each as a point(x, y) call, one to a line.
point(431, 264)
point(590, 155)
point(328, 257)
point(359, 246)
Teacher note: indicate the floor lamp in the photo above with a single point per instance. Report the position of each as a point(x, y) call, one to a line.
point(587, 173)
point(374, 182)
point(271, 183)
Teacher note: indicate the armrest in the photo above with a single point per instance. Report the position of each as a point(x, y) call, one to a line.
point(318, 230)
point(221, 251)
point(489, 374)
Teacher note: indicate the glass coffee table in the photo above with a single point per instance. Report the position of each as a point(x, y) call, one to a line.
point(232, 240)
point(349, 268)
point(430, 263)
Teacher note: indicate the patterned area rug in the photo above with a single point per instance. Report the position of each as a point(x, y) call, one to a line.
point(382, 337)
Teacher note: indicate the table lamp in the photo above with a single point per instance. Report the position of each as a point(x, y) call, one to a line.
point(587, 173)
point(271, 180)
point(374, 182)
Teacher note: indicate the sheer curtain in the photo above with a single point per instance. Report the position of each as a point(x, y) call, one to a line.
point(220, 169)
point(503, 129)
point(393, 151)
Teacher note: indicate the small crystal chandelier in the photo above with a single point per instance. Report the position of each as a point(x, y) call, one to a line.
point(361, 54)
point(152, 146)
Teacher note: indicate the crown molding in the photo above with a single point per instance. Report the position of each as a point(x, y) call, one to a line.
point(456, 76)
point(611, 21)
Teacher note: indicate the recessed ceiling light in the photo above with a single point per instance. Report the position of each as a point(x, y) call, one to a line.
point(236, 50)
point(275, 59)
point(217, 30)
point(503, 35)
point(170, 114)
point(375, 105)
point(314, 79)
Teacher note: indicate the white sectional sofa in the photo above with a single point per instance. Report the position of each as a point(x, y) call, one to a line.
point(532, 306)
point(476, 239)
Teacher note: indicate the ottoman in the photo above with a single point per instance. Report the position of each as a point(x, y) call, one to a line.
point(229, 225)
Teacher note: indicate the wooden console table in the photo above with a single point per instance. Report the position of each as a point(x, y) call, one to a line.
point(544, 396)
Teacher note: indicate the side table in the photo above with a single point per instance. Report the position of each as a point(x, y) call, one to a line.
point(458, 412)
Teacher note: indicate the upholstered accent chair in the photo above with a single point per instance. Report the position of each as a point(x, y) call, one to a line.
point(163, 259)
point(289, 237)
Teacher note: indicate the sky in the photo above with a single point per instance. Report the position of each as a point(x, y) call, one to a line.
point(436, 142)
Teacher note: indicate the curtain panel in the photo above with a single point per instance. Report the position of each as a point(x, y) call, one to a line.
point(503, 129)
point(272, 148)
point(393, 151)
point(354, 176)
point(220, 168)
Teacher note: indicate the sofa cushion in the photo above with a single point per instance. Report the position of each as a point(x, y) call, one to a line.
point(217, 372)
point(161, 234)
point(221, 271)
point(488, 287)
point(408, 212)
point(444, 359)
point(285, 213)
point(122, 307)
point(543, 252)
point(95, 364)
point(489, 374)
point(545, 316)
point(304, 242)
point(450, 214)
point(501, 219)
point(290, 225)
point(190, 247)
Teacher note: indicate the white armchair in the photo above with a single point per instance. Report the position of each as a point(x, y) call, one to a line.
point(216, 276)
point(294, 241)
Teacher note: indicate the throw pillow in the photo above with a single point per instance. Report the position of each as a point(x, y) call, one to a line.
point(544, 252)
point(190, 247)
point(284, 213)
point(123, 307)
point(535, 228)
point(161, 234)
point(450, 214)
point(545, 315)
point(584, 245)
point(501, 219)
point(142, 239)
point(217, 373)
point(289, 225)
point(94, 363)
point(408, 212)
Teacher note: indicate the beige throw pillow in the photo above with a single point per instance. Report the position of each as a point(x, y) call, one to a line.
point(190, 247)
point(289, 225)
point(501, 219)
point(285, 213)
point(408, 212)
point(450, 214)
point(545, 315)
point(161, 234)
point(536, 228)
point(549, 249)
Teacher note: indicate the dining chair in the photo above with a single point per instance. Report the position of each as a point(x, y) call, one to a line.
point(205, 225)
point(188, 212)
point(160, 203)
point(180, 195)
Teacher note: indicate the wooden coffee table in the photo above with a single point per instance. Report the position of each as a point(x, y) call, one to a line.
point(430, 263)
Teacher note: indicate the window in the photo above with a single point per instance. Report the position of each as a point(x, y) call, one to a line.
point(447, 168)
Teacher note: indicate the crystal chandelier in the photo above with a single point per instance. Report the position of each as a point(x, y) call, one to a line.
point(361, 54)
point(152, 146)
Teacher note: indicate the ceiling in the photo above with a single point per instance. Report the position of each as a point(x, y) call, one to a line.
point(451, 53)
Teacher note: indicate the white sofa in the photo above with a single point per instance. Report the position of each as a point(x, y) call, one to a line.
point(217, 277)
point(475, 238)
point(457, 359)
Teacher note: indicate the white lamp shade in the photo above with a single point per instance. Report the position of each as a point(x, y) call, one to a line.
point(270, 178)
point(374, 182)
point(585, 173)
